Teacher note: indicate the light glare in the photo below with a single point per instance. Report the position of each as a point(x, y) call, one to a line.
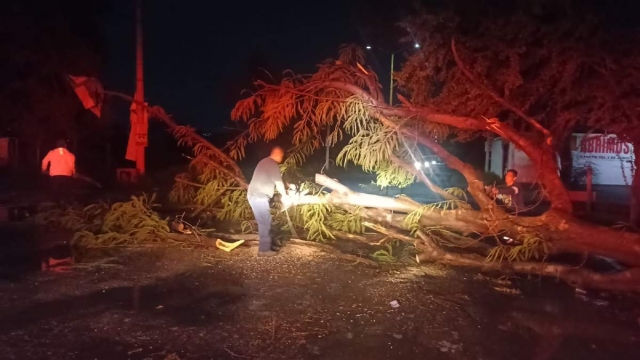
point(417, 165)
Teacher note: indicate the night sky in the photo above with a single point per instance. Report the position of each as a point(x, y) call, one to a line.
point(199, 56)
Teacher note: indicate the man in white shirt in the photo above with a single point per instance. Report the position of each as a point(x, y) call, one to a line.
point(265, 178)
point(62, 167)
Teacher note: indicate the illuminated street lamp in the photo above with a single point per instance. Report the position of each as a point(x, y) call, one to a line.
point(426, 164)
point(393, 55)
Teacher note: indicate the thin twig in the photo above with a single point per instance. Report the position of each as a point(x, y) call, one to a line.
point(234, 354)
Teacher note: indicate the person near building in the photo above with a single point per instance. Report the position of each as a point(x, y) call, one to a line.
point(62, 168)
point(510, 195)
point(266, 177)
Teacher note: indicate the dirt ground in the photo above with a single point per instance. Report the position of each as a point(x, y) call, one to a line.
point(303, 304)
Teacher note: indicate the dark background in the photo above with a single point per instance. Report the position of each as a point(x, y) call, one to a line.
point(199, 57)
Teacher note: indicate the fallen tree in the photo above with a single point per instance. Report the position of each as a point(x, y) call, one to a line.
point(343, 99)
point(343, 102)
point(437, 220)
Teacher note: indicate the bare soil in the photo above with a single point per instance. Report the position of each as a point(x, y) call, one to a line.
point(302, 304)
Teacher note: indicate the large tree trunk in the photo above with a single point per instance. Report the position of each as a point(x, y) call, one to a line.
point(577, 277)
point(562, 233)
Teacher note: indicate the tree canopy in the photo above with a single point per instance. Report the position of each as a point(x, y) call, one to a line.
point(568, 65)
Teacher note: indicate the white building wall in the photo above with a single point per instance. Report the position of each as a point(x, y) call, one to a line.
point(496, 157)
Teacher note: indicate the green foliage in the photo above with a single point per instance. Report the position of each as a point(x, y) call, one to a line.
point(457, 192)
point(211, 194)
point(73, 218)
point(445, 237)
point(235, 206)
point(530, 247)
point(445, 205)
point(394, 252)
point(123, 224)
point(247, 228)
point(385, 255)
point(211, 178)
point(347, 221)
point(297, 155)
point(315, 217)
point(412, 220)
point(371, 146)
point(310, 109)
point(132, 223)
point(319, 219)
point(390, 174)
point(182, 192)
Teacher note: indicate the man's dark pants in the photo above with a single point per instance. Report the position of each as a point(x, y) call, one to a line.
point(262, 213)
point(61, 188)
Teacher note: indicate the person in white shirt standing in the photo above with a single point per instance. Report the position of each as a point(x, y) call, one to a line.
point(62, 167)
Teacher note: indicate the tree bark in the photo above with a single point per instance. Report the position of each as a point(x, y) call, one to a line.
point(569, 236)
point(576, 277)
point(561, 232)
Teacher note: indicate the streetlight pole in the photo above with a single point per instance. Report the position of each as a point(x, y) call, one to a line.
point(326, 158)
point(393, 56)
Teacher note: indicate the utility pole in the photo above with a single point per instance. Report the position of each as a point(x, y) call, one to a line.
point(393, 57)
point(142, 125)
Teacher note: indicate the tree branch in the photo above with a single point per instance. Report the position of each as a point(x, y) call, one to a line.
point(542, 156)
point(422, 177)
point(475, 186)
point(576, 277)
point(497, 97)
point(561, 232)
